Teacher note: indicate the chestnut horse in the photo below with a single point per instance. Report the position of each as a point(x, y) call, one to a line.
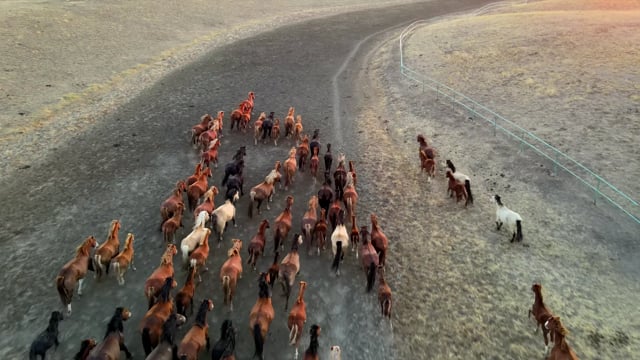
point(561, 349)
point(289, 122)
point(340, 177)
point(290, 166)
point(113, 342)
point(170, 205)
point(320, 231)
point(198, 129)
point(303, 152)
point(194, 177)
point(231, 272)
point(210, 155)
point(167, 348)
point(379, 239)
point(297, 129)
point(457, 188)
point(197, 337)
point(427, 165)
point(354, 236)
point(350, 196)
point(261, 315)
point(264, 191)
point(283, 225)
point(184, 297)
point(541, 313)
point(107, 250)
point(312, 351)
point(74, 272)
point(236, 115)
point(208, 204)
point(335, 211)
point(314, 163)
point(224, 349)
point(198, 188)
point(384, 296)
point(198, 257)
point(289, 268)
point(124, 260)
point(257, 243)
point(172, 224)
point(274, 270)
point(155, 281)
point(425, 149)
point(297, 318)
point(257, 128)
point(309, 220)
point(275, 131)
point(370, 260)
point(155, 317)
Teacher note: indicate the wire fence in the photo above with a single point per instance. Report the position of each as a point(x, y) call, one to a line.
point(601, 188)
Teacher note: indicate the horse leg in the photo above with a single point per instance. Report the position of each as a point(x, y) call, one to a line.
point(80, 282)
point(124, 348)
point(498, 224)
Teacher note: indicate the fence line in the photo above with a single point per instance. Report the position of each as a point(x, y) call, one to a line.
point(599, 186)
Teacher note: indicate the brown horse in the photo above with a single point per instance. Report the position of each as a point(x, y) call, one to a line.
point(320, 231)
point(224, 349)
point(297, 129)
point(297, 318)
point(236, 115)
point(86, 346)
point(198, 336)
point(289, 268)
point(107, 250)
point(309, 220)
point(561, 349)
point(198, 257)
point(231, 272)
point(113, 342)
point(312, 351)
point(425, 149)
point(210, 155)
point(334, 212)
point(152, 322)
point(124, 260)
point(184, 297)
point(257, 243)
point(314, 163)
point(283, 225)
point(379, 239)
point(274, 270)
point(74, 272)
point(198, 188)
point(275, 131)
point(207, 138)
point(198, 129)
point(370, 259)
point(167, 348)
point(290, 166)
point(350, 196)
point(340, 177)
point(170, 205)
point(264, 190)
point(155, 281)
point(384, 296)
point(303, 153)
point(194, 177)
point(541, 313)
point(257, 128)
point(289, 122)
point(427, 165)
point(208, 204)
point(354, 236)
point(457, 188)
point(172, 224)
point(261, 315)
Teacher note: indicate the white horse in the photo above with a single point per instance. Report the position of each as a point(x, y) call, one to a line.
point(339, 241)
point(223, 214)
point(511, 219)
point(461, 178)
point(195, 237)
point(335, 353)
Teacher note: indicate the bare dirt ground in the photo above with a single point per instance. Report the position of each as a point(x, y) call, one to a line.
point(567, 71)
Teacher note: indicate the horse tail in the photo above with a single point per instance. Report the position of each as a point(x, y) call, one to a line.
point(467, 186)
point(65, 294)
point(277, 238)
point(115, 264)
point(146, 341)
point(252, 194)
point(227, 289)
point(518, 230)
point(185, 253)
point(32, 353)
point(371, 276)
point(386, 307)
point(193, 263)
point(293, 334)
point(193, 202)
point(250, 255)
point(336, 258)
point(258, 340)
point(382, 257)
point(97, 264)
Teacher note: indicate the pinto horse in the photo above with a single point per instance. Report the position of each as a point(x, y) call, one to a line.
point(198, 336)
point(195, 237)
point(339, 242)
point(561, 349)
point(370, 259)
point(257, 243)
point(541, 313)
point(170, 205)
point(113, 342)
point(172, 224)
point(74, 272)
point(297, 318)
point(223, 214)
point(379, 239)
point(289, 122)
point(107, 250)
point(303, 152)
point(184, 297)
point(457, 188)
point(320, 231)
point(155, 281)
point(264, 191)
point(461, 178)
point(312, 351)
point(124, 260)
point(167, 348)
point(155, 317)
point(261, 315)
point(384, 296)
point(289, 268)
point(290, 166)
point(231, 272)
point(224, 349)
point(309, 220)
point(340, 177)
point(198, 188)
point(283, 224)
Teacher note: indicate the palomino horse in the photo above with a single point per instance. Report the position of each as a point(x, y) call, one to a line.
point(223, 214)
point(231, 272)
point(350, 196)
point(297, 318)
point(370, 260)
point(124, 260)
point(379, 239)
point(236, 166)
point(320, 231)
point(561, 349)
point(303, 153)
point(264, 190)
point(314, 163)
point(461, 178)
point(541, 313)
point(74, 272)
point(113, 342)
point(184, 297)
point(339, 242)
point(510, 218)
point(257, 243)
point(172, 224)
point(340, 177)
point(297, 129)
point(261, 315)
point(283, 225)
point(156, 280)
point(312, 351)
point(167, 348)
point(198, 257)
point(107, 250)
point(328, 160)
point(170, 205)
point(198, 188)
point(289, 122)
point(208, 203)
point(210, 155)
point(290, 166)
point(198, 129)
point(289, 268)
point(457, 188)
point(197, 337)
point(86, 346)
point(309, 220)
point(384, 296)
point(224, 349)
point(325, 194)
point(151, 324)
point(195, 237)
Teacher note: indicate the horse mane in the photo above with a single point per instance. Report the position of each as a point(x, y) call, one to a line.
point(263, 293)
point(364, 235)
point(200, 220)
point(271, 177)
point(313, 344)
point(165, 291)
point(112, 229)
point(560, 327)
point(116, 322)
point(85, 346)
point(422, 140)
point(201, 317)
point(82, 249)
point(168, 329)
point(128, 241)
point(232, 252)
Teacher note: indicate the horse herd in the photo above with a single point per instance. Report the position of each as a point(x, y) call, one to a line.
point(336, 201)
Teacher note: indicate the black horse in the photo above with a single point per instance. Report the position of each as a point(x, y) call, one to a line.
point(226, 346)
point(235, 183)
point(340, 179)
point(325, 195)
point(315, 142)
point(328, 160)
point(47, 338)
point(236, 166)
point(267, 126)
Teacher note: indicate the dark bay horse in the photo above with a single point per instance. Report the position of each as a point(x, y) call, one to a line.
point(370, 259)
point(113, 342)
point(340, 177)
point(261, 315)
point(224, 349)
point(197, 338)
point(153, 320)
point(46, 339)
point(325, 195)
point(74, 272)
point(312, 351)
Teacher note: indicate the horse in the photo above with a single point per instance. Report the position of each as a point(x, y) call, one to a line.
point(510, 218)
point(267, 127)
point(457, 188)
point(86, 346)
point(257, 128)
point(223, 214)
point(297, 318)
point(194, 177)
point(172, 224)
point(198, 336)
point(208, 137)
point(335, 211)
point(561, 349)
point(352, 171)
point(263, 191)
point(275, 132)
point(370, 259)
point(312, 351)
point(289, 122)
point(224, 349)
point(309, 220)
point(198, 129)
point(340, 177)
point(328, 160)
point(427, 165)
point(425, 149)
point(184, 297)
point(379, 240)
point(354, 235)
point(541, 313)
point(257, 243)
point(314, 143)
point(167, 348)
point(210, 155)
point(384, 296)
point(236, 115)
point(198, 188)
point(199, 256)
point(155, 281)
point(107, 250)
point(290, 166)
point(235, 182)
point(46, 339)
point(261, 315)
point(461, 178)
point(302, 153)
point(339, 241)
point(297, 129)
point(350, 196)
point(236, 166)
point(155, 317)
point(231, 272)
point(208, 204)
point(325, 195)
point(74, 272)
point(289, 268)
point(274, 270)
point(335, 353)
point(314, 163)
point(124, 260)
point(320, 231)
point(195, 237)
point(248, 104)
point(113, 342)
point(283, 224)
